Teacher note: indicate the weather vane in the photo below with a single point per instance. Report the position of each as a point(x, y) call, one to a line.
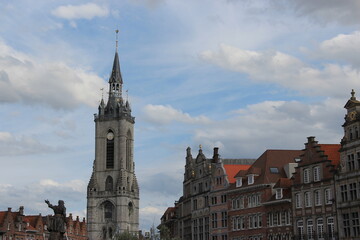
point(117, 34)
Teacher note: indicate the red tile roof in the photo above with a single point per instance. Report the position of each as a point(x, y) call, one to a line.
point(233, 169)
point(2, 217)
point(332, 151)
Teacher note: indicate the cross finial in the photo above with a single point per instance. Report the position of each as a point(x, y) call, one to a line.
point(353, 95)
point(117, 34)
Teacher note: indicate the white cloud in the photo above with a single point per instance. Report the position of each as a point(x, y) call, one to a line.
point(287, 71)
point(342, 47)
point(32, 196)
point(161, 114)
point(86, 11)
point(30, 81)
point(273, 124)
point(11, 145)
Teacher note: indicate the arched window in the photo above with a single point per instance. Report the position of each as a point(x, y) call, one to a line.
point(108, 211)
point(104, 233)
point(128, 151)
point(110, 150)
point(109, 184)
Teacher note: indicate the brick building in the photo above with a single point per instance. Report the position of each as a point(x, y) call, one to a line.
point(17, 226)
point(253, 188)
point(314, 208)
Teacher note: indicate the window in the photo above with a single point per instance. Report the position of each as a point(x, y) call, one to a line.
point(195, 204)
point(214, 200)
point(307, 199)
point(346, 224)
point(274, 170)
point(330, 227)
point(110, 150)
point(320, 228)
point(108, 210)
point(298, 200)
point(344, 194)
point(310, 229)
point(300, 229)
point(317, 198)
point(287, 217)
point(250, 203)
point(251, 179)
point(128, 150)
point(109, 184)
point(238, 182)
point(351, 162)
point(316, 171)
point(306, 173)
point(353, 191)
point(358, 160)
point(223, 219)
point(214, 220)
point(279, 193)
point(355, 224)
point(223, 198)
point(328, 196)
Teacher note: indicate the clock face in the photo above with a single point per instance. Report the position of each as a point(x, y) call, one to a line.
point(110, 136)
point(352, 115)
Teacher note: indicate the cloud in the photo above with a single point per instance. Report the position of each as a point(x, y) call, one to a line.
point(32, 196)
point(324, 11)
point(86, 11)
point(285, 70)
point(30, 81)
point(11, 145)
point(342, 47)
point(273, 125)
point(161, 114)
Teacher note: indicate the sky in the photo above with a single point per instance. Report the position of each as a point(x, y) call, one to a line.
point(244, 76)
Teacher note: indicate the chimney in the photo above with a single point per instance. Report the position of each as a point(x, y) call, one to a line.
point(216, 155)
point(21, 210)
point(9, 209)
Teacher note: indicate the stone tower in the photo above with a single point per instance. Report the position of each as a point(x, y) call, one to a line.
point(113, 192)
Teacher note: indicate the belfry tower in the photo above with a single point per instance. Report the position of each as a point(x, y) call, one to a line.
point(113, 192)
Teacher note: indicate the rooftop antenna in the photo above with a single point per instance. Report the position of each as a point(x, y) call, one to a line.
point(117, 34)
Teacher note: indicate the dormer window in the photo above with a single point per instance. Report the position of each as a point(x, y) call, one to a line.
point(251, 179)
point(279, 193)
point(238, 182)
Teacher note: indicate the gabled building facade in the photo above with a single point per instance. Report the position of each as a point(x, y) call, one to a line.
point(313, 192)
point(253, 188)
point(348, 176)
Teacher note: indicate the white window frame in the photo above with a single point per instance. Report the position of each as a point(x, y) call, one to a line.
point(328, 196)
point(250, 179)
point(307, 199)
point(316, 173)
point(279, 193)
point(239, 182)
point(317, 197)
point(310, 229)
point(298, 200)
point(306, 173)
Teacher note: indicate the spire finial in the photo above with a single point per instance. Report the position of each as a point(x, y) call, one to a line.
point(353, 95)
point(102, 93)
point(200, 147)
point(117, 34)
point(127, 95)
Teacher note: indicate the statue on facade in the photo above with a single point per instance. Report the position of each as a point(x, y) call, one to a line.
point(56, 223)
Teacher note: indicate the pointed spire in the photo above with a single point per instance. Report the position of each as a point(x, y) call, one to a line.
point(115, 73)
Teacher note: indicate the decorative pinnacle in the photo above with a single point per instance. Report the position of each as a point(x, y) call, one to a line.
point(117, 34)
point(102, 93)
point(200, 147)
point(353, 95)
